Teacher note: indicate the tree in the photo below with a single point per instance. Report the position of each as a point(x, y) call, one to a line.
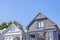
point(9, 23)
point(6, 25)
point(18, 24)
point(15, 23)
point(3, 25)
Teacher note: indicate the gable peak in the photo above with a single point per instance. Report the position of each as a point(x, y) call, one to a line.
point(40, 16)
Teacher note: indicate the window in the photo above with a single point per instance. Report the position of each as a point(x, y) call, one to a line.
point(10, 38)
point(7, 39)
point(50, 36)
point(32, 37)
point(40, 24)
point(13, 28)
point(55, 35)
point(16, 38)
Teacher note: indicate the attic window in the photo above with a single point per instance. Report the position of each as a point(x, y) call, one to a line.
point(12, 29)
point(40, 24)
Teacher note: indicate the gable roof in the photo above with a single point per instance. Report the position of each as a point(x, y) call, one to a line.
point(39, 16)
point(9, 28)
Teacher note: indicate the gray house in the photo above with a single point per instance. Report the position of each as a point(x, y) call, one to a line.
point(42, 28)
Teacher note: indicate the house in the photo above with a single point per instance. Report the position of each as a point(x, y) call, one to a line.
point(13, 32)
point(42, 28)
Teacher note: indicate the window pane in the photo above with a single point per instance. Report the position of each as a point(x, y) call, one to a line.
point(32, 38)
point(40, 24)
point(10, 38)
point(7, 39)
point(13, 28)
point(50, 36)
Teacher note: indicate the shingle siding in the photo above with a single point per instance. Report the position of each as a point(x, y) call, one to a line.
point(49, 27)
point(33, 26)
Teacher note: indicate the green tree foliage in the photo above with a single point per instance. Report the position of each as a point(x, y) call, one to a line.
point(6, 25)
point(3, 25)
point(17, 24)
point(9, 23)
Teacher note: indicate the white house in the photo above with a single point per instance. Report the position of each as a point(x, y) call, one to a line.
point(13, 32)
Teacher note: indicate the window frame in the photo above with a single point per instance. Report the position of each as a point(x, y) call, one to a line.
point(40, 24)
point(6, 38)
point(50, 35)
point(12, 29)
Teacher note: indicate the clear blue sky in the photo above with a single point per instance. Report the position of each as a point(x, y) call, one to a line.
point(23, 11)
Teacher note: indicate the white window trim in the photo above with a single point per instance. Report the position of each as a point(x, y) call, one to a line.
point(40, 23)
